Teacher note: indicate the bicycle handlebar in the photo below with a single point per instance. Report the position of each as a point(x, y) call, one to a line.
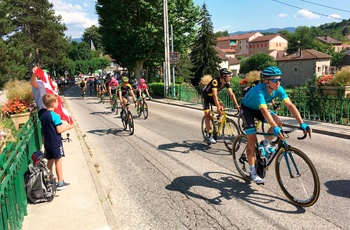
point(305, 134)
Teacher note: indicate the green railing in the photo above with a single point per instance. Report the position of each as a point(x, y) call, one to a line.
point(310, 103)
point(14, 161)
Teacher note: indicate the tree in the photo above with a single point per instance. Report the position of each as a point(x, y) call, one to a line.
point(222, 34)
point(92, 34)
point(257, 61)
point(132, 31)
point(33, 34)
point(203, 56)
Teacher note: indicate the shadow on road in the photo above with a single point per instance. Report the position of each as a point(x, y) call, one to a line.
point(229, 187)
point(338, 188)
point(191, 145)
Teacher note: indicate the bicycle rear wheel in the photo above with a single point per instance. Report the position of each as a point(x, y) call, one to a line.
point(204, 132)
point(239, 148)
point(229, 131)
point(297, 177)
point(116, 107)
point(130, 123)
point(145, 110)
point(241, 124)
point(124, 119)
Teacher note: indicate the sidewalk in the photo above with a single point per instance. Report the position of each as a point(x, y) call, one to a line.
point(341, 131)
point(83, 205)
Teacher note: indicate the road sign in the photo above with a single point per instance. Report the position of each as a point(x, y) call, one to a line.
point(174, 57)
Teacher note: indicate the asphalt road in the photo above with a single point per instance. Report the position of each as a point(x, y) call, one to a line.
point(165, 177)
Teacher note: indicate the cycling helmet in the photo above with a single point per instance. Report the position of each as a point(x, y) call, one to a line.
point(270, 71)
point(142, 80)
point(225, 71)
point(125, 79)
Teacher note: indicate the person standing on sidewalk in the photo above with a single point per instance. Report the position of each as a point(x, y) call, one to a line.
point(39, 91)
point(52, 127)
point(210, 96)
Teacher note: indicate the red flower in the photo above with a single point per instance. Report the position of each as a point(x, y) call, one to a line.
point(244, 81)
point(15, 106)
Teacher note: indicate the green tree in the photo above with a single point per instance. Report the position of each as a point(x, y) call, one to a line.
point(33, 34)
point(132, 31)
point(203, 56)
point(222, 34)
point(92, 34)
point(257, 61)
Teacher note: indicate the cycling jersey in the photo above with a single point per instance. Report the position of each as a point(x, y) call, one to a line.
point(258, 97)
point(207, 93)
point(125, 89)
point(214, 84)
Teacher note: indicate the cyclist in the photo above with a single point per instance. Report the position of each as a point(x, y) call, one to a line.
point(125, 90)
point(112, 90)
point(210, 96)
point(82, 86)
point(141, 88)
point(101, 89)
point(254, 105)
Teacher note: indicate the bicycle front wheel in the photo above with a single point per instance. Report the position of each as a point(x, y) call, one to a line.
point(239, 154)
point(297, 177)
point(130, 123)
point(229, 131)
point(205, 134)
point(145, 110)
point(124, 119)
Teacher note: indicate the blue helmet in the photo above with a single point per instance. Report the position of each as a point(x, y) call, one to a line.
point(270, 71)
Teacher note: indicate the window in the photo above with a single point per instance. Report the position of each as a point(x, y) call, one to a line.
point(295, 68)
point(265, 44)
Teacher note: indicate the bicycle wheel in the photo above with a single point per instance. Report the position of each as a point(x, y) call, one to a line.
point(229, 131)
point(145, 110)
point(116, 108)
point(204, 132)
point(241, 124)
point(297, 177)
point(139, 109)
point(124, 119)
point(130, 123)
point(103, 98)
point(239, 148)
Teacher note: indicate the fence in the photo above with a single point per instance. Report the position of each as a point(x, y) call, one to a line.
point(310, 104)
point(14, 161)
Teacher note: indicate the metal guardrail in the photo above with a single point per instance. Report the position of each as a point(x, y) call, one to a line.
point(311, 104)
point(14, 161)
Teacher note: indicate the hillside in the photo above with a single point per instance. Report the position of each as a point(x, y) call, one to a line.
point(271, 30)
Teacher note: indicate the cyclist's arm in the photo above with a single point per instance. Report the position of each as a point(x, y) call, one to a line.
point(132, 94)
point(233, 98)
point(293, 110)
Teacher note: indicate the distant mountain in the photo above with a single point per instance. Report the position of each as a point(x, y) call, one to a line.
point(271, 30)
point(77, 39)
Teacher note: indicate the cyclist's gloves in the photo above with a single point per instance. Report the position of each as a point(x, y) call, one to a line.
point(305, 127)
point(276, 131)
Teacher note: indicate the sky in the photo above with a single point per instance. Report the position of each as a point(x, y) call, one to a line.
point(230, 15)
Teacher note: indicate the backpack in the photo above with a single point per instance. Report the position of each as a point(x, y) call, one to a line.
point(39, 187)
point(246, 89)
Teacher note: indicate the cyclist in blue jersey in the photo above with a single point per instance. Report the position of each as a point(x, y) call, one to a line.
point(254, 105)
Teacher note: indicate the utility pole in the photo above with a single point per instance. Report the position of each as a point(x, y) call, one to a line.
point(166, 49)
point(173, 66)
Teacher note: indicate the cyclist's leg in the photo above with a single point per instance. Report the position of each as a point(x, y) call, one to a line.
point(277, 121)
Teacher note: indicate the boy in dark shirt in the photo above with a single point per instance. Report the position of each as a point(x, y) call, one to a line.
point(52, 127)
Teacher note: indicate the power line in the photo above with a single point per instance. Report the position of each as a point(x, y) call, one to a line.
point(347, 11)
point(308, 10)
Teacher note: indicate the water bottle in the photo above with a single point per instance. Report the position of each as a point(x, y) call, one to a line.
point(261, 148)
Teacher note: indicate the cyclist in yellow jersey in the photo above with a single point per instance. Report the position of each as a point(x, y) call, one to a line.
point(125, 90)
point(210, 96)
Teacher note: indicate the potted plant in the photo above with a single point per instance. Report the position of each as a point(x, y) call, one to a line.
point(337, 85)
point(20, 101)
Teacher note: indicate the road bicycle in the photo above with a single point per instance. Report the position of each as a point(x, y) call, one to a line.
point(295, 173)
point(127, 119)
point(142, 108)
point(115, 106)
point(102, 96)
point(224, 127)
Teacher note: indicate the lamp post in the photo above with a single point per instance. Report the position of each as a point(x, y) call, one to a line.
point(166, 48)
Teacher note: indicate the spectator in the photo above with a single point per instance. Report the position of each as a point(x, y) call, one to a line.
point(52, 128)
point(39, 91)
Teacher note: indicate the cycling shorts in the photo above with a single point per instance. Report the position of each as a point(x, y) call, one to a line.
point(248, 115)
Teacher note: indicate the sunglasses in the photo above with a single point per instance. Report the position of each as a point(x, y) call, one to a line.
point(276, 80)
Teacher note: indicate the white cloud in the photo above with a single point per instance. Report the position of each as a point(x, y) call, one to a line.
point(306, 14)
point(282, 15)
point(222, 28)
point(76, 17)
point(334, 16)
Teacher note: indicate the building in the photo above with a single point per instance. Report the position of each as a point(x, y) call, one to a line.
point(331, 41)
point(239, 42)
point(268, 43)
point(302, 66)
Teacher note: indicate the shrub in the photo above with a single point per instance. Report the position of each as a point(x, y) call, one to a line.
point(19, 89)
point(342, 77)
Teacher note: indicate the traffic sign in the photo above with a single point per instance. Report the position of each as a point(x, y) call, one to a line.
point(174, 57)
